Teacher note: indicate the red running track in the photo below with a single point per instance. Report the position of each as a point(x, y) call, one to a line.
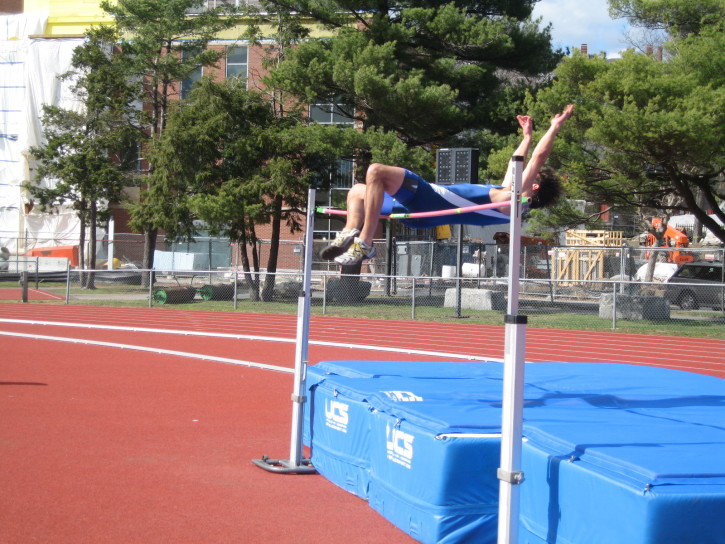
point(33, 294)
point(702, 355)
point(109, 443)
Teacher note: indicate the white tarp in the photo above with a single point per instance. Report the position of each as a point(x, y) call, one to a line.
point(37, 264)
point(662, 272)
point(29, 80)
point(22, 25)
point(48, 230)
point(177, 260)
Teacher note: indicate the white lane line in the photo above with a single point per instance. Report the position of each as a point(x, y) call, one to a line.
point(149, 350)
point(250, 337)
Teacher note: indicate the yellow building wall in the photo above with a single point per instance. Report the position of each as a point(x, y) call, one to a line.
point(73, 17)
point(68, 17)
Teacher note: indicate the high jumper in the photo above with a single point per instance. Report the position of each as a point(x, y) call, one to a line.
point(392, 190)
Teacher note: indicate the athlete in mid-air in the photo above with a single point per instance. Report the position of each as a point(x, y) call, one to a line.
point(391, 189)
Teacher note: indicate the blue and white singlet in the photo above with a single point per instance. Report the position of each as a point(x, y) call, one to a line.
point(417, 195)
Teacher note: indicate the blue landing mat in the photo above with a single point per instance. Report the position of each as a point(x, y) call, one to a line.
point(612, 453)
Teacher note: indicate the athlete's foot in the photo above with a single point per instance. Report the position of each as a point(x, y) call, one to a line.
point(358, 251)
point(340, 244)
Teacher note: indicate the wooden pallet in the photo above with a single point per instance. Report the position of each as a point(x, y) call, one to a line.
point(585, 260)
point(599, 238)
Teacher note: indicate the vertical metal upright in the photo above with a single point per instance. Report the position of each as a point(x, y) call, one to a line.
point(509, 472)
point(296, 464)
point(111, 240)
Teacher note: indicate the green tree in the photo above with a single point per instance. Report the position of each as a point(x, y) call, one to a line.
point(230, 161)
point(304, 148)
point(84, 153)
point(284, 30)
point(433, 73)
point(161, 46)
point(647, 135)
point(679, 18)
point(206, 160)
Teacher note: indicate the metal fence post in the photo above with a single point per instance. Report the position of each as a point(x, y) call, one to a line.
point(324, 293)
point(236, 278)
point(392, 252)
point(554, 279)
point(67, 283)
point(412, 316)
point(151, 289)
point(209, 244)
point(459, 269)
point(722, 280)
point(24, 285)
point(614, 305)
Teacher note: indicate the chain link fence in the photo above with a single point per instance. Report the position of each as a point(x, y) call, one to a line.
point(560, 286)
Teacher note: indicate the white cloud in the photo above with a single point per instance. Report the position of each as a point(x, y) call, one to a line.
point(577, 22)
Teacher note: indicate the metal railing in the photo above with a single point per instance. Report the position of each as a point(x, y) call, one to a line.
point(399, 258)
point(561, 286)
point(591, 304)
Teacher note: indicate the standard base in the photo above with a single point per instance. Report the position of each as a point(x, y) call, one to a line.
point(284, 466)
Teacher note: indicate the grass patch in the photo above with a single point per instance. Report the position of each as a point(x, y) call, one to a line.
point(700, 324)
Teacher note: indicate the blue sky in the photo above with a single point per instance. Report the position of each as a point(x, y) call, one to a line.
point(576, 22)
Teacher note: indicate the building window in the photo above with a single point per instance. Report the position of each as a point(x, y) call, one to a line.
point(211, 4)
point(342, 178)
point(130, 157)
point(332, 112)
point(194, 77)
point(237, 61)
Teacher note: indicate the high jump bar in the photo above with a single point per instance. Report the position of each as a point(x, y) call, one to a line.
point(434, 213)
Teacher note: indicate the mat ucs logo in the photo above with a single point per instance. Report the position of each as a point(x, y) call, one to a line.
point(336, 415)
point(403, 396)
point(399, 445)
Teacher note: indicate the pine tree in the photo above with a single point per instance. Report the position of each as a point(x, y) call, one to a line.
point(84, 150)
point(161, 46)
point(647, 135)
point(434, 73)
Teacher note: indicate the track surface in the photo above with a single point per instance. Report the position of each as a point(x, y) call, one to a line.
point(33, 294)
point(131, 436)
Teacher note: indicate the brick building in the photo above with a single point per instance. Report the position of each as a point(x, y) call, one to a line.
point(37, 44)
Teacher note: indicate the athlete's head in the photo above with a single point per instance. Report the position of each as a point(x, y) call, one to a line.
point(548, 190)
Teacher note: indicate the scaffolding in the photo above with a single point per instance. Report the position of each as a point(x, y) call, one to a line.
point(583, 258)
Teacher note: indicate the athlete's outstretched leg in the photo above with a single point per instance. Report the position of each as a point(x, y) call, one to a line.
point(380, 179)
point(355, 218)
